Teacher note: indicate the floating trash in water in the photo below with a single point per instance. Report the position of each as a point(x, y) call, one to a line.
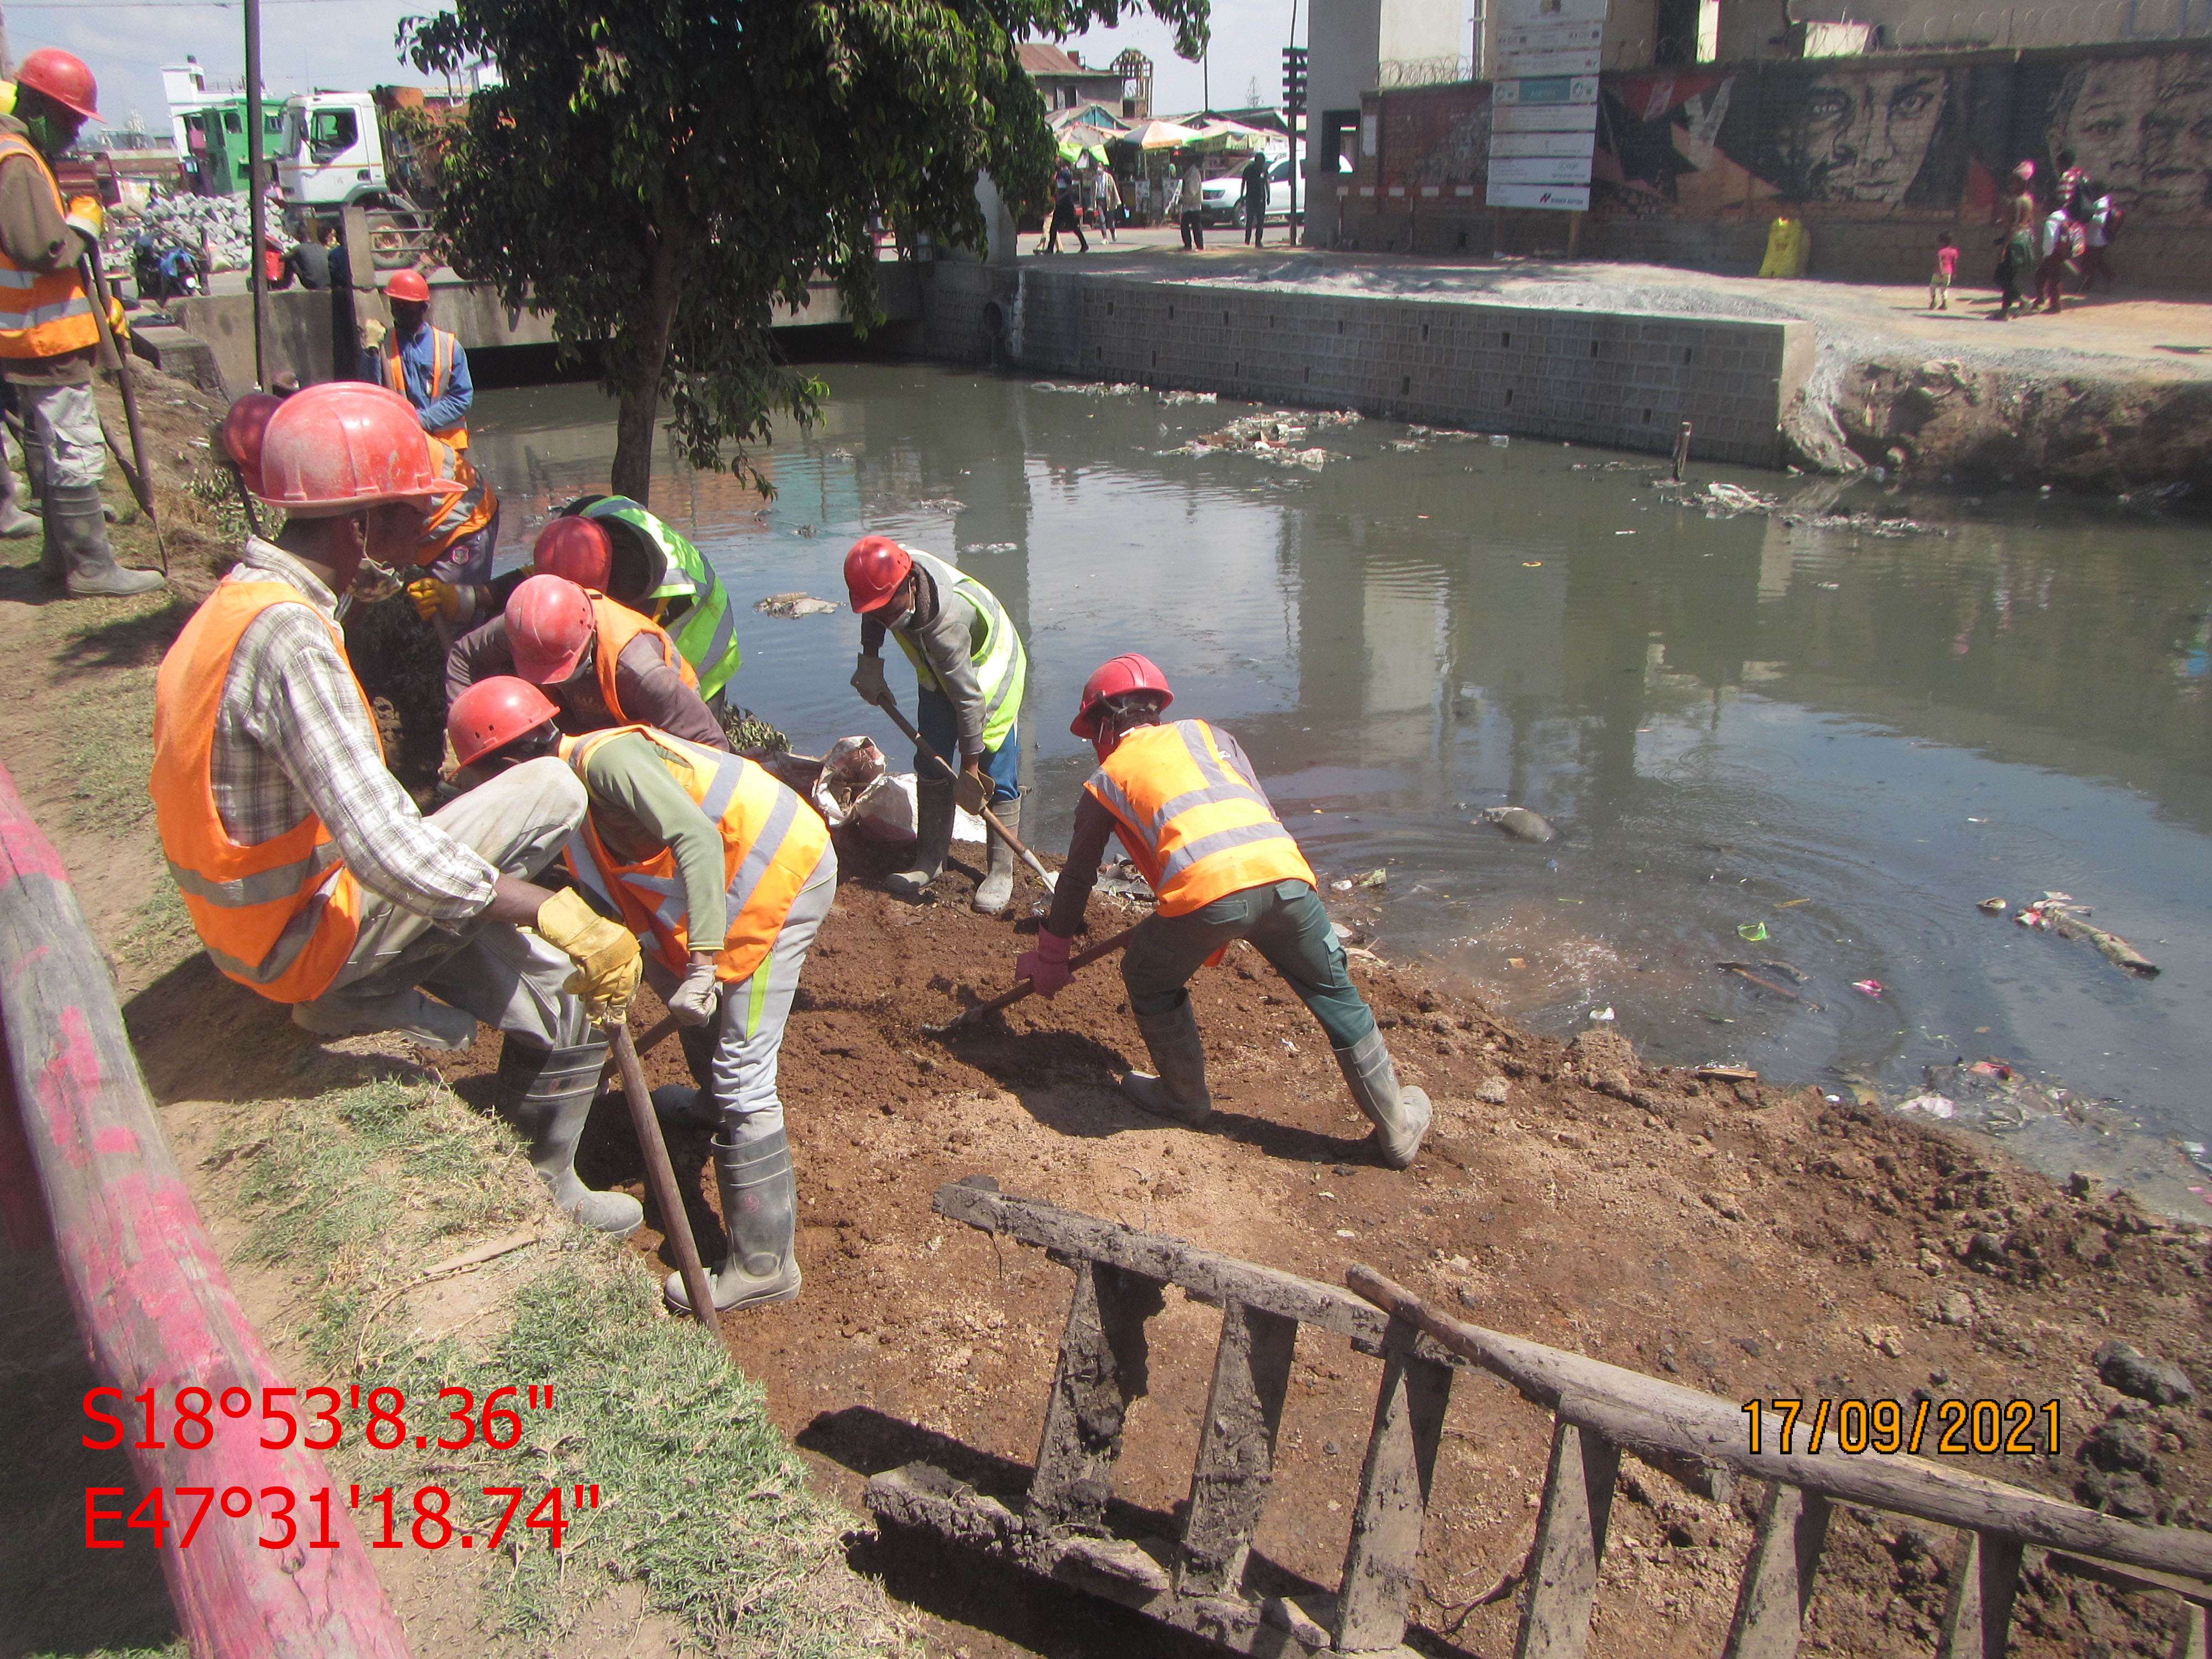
point(1339, 886)
point(1868, 987)
point(1499, 440)
point(795, 605)
point(1173, 397)
point(1996, 907)
point(1376, 878)
point(1602, 1014)
point(940, 504)
point(991, 547)
point(1933, 1105)
point(1754, 932)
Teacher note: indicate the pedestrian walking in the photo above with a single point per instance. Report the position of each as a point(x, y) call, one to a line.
point(1939, 280)
point(1193, 201)
point(2062, 241)
point(1108, 191)
point(1066, 216)
point(2102, 226)
point(2017, 258)
point(1255, 199)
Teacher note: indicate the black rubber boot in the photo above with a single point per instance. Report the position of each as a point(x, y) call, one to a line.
point(16, 525)
point(77, 532)
point(759, 1215)
point(1177, 1089)
point(547, 1093)
point(1400, 1117)
point(996, 890)
point(933, 838)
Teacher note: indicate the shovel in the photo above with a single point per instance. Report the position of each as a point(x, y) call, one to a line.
point(660, 1176)
point(1023, 988)
point(921, 743)
point(140, 481)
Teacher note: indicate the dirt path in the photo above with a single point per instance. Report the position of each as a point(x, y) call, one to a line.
point(1752, 1241)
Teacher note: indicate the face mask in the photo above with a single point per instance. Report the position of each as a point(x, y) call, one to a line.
point(43, 135)
point(898, 618)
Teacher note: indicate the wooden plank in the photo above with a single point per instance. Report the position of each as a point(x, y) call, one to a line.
point(1101, 1369)
point(2192, 1637)
point(149, 1292)
point(1394, 1499)
point(1212, 1278)
point(1983, 1581)
point(1235, 1464)
point(1651, 1418)
point(1571, 1531)
point(1778, 1579)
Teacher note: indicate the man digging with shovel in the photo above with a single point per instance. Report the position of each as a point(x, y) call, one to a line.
point(727, 874)
point(1186, 804)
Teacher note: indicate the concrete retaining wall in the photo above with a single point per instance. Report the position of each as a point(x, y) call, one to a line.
point(1621, 380)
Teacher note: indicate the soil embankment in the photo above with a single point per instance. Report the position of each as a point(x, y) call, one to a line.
point(1753, 1240)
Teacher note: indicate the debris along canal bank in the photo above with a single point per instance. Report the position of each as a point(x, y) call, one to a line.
point(1846, 719)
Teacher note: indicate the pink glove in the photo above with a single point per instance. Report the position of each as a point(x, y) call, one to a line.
point(1046, 967)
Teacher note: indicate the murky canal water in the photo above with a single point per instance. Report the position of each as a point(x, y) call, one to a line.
point(1846, 739)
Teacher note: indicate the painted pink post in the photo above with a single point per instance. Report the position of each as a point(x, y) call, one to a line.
point(154, 1303)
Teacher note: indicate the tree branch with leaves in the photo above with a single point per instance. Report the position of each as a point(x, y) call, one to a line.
point(661, 175)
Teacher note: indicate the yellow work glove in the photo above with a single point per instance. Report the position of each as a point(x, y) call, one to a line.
point(435, 598)
point(118, 324)
point(971, 792)
point(372, 334)
point(606, 954)
point(85, 215)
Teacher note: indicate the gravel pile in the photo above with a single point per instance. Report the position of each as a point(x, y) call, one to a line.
point(224, 222)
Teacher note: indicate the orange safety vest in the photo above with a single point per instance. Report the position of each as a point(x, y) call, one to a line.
point(279, 916)
point(43, 313)
point(1196, 828)
point(454, 517)
point(442, 348)
point(617, 626)
point(771, 843)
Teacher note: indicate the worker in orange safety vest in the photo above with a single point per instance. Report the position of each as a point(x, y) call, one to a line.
point(1187, 805)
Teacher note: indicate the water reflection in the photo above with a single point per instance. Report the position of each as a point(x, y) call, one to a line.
point(1840, 739)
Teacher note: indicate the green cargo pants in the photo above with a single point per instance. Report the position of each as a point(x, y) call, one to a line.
point(1286, 923)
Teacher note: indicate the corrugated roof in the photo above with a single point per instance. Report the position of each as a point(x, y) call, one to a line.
point(1042, 58)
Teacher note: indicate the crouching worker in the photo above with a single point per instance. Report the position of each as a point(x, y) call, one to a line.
point(307, 872)
point(1186, 803)
point(729, 874)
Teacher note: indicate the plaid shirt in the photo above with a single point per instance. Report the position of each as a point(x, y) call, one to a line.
point(293, 737)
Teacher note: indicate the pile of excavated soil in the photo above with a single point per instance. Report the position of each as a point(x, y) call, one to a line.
point(1752, 1241)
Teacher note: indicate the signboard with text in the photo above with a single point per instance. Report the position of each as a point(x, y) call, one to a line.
point(1544, 105)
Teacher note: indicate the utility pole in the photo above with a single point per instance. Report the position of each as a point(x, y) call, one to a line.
point(257, 212)
point(1294, 104)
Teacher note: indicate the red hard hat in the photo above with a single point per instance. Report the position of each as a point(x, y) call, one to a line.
point(63, 78)
point(873, 570)
point(345, 445)
point(408, 285)
point(492, 713)
point(1118, 674)
point(241, 433)
point(550, 621)
point(577, 551)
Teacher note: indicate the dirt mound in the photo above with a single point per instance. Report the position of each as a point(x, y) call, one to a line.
point(1752, 1241)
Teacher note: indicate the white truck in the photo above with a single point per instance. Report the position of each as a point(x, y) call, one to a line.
point(338, 151)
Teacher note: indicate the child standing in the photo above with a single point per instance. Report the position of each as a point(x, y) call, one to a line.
point(1939, 281)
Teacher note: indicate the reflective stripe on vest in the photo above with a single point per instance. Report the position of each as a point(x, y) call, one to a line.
point(455, 518)
point(442, 348)
point(1198, 831)
point(771, 843)
point(43, 313)
point(706, 635)
point(617, 626)
point(280, 915)
point(1001, 666)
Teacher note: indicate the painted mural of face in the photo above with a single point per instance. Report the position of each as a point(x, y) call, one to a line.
point(1863, 138)
point(2143, 126)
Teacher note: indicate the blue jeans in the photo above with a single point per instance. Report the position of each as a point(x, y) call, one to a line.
point(1286, 923)
point(940, 729)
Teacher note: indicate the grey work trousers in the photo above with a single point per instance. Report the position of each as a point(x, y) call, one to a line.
point(1286, 922)
point(738, 1072)
point(488, 971)
point(61, 430)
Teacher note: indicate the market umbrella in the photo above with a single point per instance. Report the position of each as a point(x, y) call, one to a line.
point(1157, 134)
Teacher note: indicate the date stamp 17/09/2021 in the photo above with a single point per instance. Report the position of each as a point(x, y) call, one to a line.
point(1943, 1428)
point(192, 1419)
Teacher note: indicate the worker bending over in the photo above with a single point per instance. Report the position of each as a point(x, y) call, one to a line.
point(1186, 803)
point(601, 663)
point(728, 874)
point(969, 667)
point(49, 334)
point(307, 870)
point(610, 544)
point(427, 367)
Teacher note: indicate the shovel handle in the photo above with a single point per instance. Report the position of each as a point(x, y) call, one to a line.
point(990, 819)
point(660, 1176)
point(1023, 987)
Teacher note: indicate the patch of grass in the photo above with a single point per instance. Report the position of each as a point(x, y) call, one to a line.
point(109, 752)
point(160, 930)
point(700, 1498)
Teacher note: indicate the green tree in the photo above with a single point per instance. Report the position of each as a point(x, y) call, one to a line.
point(658, 174)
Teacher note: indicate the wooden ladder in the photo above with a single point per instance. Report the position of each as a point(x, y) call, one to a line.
point(1195, 1582)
